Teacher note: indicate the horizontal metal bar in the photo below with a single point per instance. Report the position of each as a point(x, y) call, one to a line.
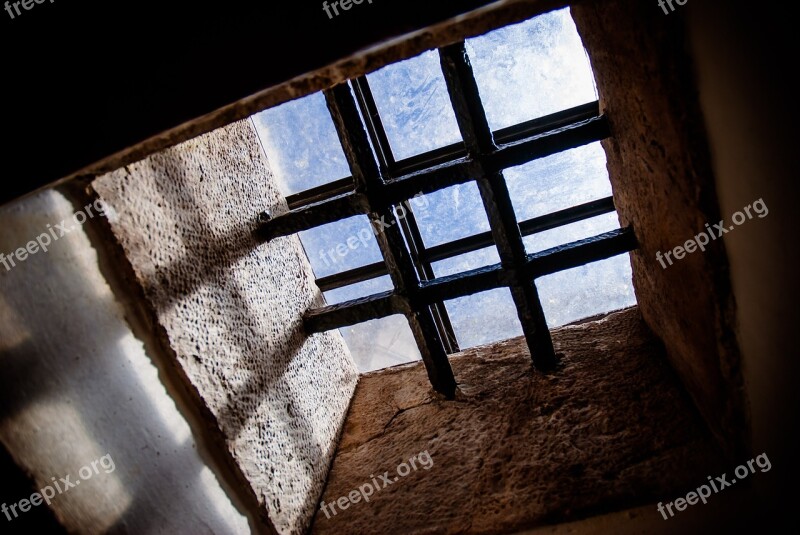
point(548, 123)
point(460, 171)
point(543, 145)
point(474, 242)
point(431, 180)
point(567, 216)
point(436, 178)
point(479, 280)
point(352, 276)
point(320, 193)
point(527, 227)
point(462, 284)
point(313, 215)
point(581, 252)
point(354, 311)
point(455, 151)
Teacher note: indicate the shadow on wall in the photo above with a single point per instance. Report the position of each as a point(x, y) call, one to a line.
point(229, 309)
point(77, 385)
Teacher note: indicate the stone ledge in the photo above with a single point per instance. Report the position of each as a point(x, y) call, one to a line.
point(612, 429)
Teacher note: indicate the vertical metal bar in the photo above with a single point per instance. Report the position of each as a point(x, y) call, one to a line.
point(372, 118)
point(366, 175)
point(477, 136)
point(408, 223)
point(425, 270)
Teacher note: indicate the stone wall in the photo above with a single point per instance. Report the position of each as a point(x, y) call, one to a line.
point(516, 449)
point(230, 312)
point(660, 170)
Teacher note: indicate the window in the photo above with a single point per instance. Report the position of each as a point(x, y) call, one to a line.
point(475, 206)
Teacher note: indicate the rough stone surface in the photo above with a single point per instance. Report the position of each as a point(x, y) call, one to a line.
point(613, 428)
point(231, 311)
point(663, 184)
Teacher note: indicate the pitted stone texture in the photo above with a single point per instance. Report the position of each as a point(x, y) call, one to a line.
point(231, 311)
point(611, 429)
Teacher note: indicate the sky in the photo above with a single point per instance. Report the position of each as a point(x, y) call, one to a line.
point(523, 71)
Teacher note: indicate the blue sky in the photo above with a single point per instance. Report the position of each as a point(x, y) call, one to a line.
point(523, 71)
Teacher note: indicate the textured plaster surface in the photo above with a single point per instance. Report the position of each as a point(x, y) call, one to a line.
point(77, 385)
point(230, 310)
point(516, 449)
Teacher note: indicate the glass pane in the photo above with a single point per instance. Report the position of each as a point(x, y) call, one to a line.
point(451, 213)
point(414, 105)
point(572, 232)
point(300, 141)
point(531, 69)
point(588, 290)
point(381, 343)
point(559, 181)
point(360, 289)
point(484, 318)
point(465, 262)
point(340, 246)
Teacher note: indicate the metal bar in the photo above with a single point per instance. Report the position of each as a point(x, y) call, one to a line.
point(477, 135)
point(354, 311)
point(465, 170)
point(372, 119)
point(527, 228)
point(432, 179)
point(320, 193)
point(366, 175)
point(380, 305)
point(352, 276)
point(455, 151)
point(408, 222)
point(474, 242)
point(582, 252)
point(508, 135)
point(542, 145)
point(424, 268)
point(466, 283)
point(548, 123)
point(567, 256)
point(441, 174)
point(567, 216)
point(311, 216)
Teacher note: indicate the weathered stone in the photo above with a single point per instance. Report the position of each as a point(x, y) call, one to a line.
point(660, 170)
point(230, 311)
point(611, 429)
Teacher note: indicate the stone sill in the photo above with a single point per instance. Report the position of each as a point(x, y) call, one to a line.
point(612, 429)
